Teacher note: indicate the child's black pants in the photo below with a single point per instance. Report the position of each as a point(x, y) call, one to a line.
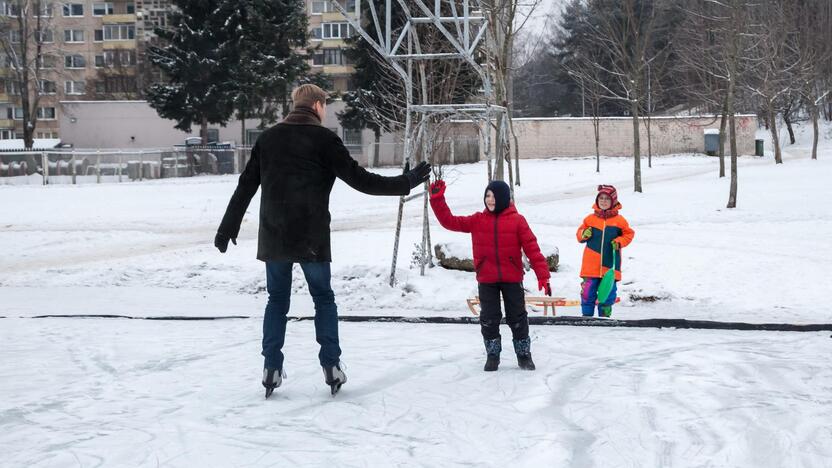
point(490, 314)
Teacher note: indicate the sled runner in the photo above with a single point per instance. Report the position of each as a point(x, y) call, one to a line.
point(539, 301)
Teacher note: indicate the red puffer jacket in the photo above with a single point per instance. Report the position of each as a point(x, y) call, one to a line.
point(497, 240)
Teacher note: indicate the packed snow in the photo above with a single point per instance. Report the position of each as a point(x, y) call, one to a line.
point(116, 392)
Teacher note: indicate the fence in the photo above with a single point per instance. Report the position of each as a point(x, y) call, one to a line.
point(60, 166)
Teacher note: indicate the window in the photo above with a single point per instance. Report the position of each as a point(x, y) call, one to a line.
point(14, 36)
point(47, 135)
point(6, 134)
point(73, 9)
point(130, 8)
point(119, 32)
point(47, 87)
point(334, 57)
point(324, 6)
point(99, 60)
point(124, 58)
point(12, 88)
point(336, 30)
point(318, 59)
point(45, 37)
point(73, 35)
point(46, 113)
point(74, 61)
point(316, 33)
point(99, 35)
point(352, 137)
point(101, 9)
point(320, 6)
point(74, 87)
point(100, 87)
point(47, 61)
point(46, 10)
point(118, 84)
point(15, 113)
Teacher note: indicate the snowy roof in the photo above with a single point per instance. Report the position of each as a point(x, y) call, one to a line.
point(38, 144)
point(711, 131)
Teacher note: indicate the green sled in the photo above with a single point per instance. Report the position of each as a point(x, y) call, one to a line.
point(607, 282)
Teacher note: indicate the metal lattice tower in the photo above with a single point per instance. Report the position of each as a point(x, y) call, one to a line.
point(465, 31)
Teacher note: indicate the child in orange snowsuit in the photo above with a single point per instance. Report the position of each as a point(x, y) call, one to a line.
point(603, 232)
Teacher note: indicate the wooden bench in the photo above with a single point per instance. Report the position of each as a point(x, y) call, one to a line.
point(539, 301)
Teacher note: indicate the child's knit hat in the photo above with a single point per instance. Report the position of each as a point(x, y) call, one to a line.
point(610, 191)
point(502, 195)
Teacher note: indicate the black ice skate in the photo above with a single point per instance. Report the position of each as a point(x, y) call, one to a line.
point(335, 378)
point(272, 378)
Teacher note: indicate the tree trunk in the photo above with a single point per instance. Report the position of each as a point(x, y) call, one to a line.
point(732, 193)
point(723, 121)
point(596, 124)
point(499, 156)
point(788, 120)
point(815, 132)
point(775, 138)
point(636, 147)
point(377, 147)
point(649, 144)
point(242, 128)
point(203, 130)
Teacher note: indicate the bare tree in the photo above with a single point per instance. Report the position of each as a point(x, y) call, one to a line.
point(713, 58)
point(626, 30)
point(812, 20)
point(24, 39)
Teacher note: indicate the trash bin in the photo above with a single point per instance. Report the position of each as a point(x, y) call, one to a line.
point(758, 148)
point(711, 141)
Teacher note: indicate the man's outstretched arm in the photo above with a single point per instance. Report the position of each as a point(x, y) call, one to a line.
point(246, 188)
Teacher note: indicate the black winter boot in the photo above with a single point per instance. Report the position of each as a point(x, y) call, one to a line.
point(493, 348)
point(524, 355)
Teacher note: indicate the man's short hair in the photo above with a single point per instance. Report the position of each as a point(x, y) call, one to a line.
point(307, 95)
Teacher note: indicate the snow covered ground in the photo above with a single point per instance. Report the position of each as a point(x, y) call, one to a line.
point(114, 392)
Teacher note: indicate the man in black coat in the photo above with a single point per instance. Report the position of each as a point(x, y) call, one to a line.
point(295, 164)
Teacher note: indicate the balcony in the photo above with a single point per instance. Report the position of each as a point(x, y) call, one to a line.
point(332, 43)
point(6, 123)
point(339, 69)
point(127, 18)
point(333, 16)
point(122, 44)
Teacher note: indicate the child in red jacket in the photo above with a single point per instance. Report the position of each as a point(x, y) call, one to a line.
point(603, 232)
point(497, 234)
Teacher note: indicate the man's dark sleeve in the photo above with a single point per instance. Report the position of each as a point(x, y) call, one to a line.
point(246, 188)
point(348, 170)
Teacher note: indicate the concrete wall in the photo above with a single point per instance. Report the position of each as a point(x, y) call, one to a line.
point(548, 137)
point(134, 124)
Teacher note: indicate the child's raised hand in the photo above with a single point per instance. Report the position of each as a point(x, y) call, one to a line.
point(437, 189)
point(586, 234)
point(543, 285)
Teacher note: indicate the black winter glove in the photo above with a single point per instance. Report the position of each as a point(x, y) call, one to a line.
point(221, 242)
point(418, 175)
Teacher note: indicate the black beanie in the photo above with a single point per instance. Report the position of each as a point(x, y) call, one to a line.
point(502, 195)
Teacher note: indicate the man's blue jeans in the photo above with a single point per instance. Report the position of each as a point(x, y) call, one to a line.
point(279, 286)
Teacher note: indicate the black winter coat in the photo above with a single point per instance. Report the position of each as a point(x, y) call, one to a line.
point(295, 164)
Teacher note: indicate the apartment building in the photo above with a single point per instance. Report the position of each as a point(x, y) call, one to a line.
point(92, 50)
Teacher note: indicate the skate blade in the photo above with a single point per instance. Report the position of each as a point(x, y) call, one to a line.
point(269, 392)
point(334, 388)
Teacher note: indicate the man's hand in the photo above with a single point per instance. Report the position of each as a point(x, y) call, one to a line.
point(418, 175)
point(543, 285)
point(221, 242)
point(586, 234)
point(437, 189)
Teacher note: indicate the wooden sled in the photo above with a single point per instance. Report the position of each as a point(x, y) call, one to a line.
point(539, 301)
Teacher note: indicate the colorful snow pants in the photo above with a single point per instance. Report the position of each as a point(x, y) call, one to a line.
point(589, 294)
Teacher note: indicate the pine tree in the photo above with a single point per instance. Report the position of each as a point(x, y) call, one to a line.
point(197, 59)
point(268, 36)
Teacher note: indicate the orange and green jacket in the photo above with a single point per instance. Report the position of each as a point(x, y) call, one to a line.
point(598, 252)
